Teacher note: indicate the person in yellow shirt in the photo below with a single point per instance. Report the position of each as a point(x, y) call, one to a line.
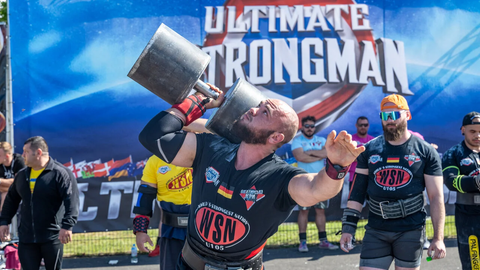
point(172, 187)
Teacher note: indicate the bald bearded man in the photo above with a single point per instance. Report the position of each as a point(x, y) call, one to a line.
point(241, 192)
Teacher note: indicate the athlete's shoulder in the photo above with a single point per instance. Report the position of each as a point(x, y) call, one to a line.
point(375, 142)
point(456, 150)
point(62, 170)
point(214, 145)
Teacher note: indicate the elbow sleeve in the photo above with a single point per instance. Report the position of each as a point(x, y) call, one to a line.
point(358, 191)
point(163, 136)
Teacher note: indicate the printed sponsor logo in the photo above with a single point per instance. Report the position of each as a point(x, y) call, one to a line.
point(251, 196)
point(374, 159)
point(180, 183)
point(475, 172)
point(392, 177)
point(220, 228)
point(164, 169)
point(466, 162)
point(474, 252)
point(8, 174)
point(212, 175)
point(412, 159)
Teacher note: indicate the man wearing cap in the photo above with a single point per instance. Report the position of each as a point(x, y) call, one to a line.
point(392, 173)
point(461, 167)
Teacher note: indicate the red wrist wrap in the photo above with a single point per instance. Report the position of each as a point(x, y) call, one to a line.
point(192, 107)
point(140, 224)
point(336, 173)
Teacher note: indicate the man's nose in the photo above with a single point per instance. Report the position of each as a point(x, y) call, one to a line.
point(253, 111)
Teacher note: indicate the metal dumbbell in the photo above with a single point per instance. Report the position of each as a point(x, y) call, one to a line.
point(240, 98)
point(170, 67)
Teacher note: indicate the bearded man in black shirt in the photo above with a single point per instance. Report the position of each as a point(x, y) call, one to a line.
point(241, 192)
point(392, 174)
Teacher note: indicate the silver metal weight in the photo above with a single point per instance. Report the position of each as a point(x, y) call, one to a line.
point(170, 67)
point(240, 98)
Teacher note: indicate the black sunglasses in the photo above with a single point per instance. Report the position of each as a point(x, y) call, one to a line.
point(308, 126)
point(363, 125)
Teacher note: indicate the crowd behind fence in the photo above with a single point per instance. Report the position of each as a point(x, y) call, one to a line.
point(120, 242)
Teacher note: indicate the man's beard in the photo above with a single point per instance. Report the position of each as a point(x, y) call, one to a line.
point(250, 136)
point(395, 134)
point(306, 135)
point(361, 133)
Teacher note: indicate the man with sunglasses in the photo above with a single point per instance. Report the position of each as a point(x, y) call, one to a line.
point(461, 168)
point(310, 153)
point(392, 173)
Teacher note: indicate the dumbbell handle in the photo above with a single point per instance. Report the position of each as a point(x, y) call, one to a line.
point(203, 88)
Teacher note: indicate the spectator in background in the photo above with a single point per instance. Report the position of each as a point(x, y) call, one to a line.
point(361, 137)
point(421, 137)
point(49, 195)
point(310, 153)
point(461, 167)
point(11, 165)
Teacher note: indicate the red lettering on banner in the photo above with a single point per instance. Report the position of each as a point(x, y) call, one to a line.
point(217, 228)
point(392, 177)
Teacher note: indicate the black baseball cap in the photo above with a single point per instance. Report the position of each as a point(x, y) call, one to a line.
point(468, 119)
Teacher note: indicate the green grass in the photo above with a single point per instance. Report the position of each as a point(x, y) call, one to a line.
point(120, 242)
point(287, 234)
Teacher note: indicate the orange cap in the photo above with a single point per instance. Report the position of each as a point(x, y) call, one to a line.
point(399, 101)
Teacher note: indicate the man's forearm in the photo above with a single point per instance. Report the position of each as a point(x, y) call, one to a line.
point(327, 186)
point(304, 157)
point(320, 154)
point(437, 210)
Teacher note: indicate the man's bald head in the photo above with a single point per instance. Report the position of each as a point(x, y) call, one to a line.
point(286, 119)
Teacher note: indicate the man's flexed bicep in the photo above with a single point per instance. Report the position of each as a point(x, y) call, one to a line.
point(163, 136)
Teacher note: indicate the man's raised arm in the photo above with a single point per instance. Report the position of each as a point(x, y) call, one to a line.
point(163, 136)
point(309, 189)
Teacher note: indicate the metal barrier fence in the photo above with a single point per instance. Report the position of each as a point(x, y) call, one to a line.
point(120, 242)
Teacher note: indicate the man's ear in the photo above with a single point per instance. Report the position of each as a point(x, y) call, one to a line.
point(409, 115)
point(276, 138)
point(463, 131)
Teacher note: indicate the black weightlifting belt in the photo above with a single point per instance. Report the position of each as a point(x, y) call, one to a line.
point(174, 219)
point(468, 198)
point(396, 209)
point(198, 262)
